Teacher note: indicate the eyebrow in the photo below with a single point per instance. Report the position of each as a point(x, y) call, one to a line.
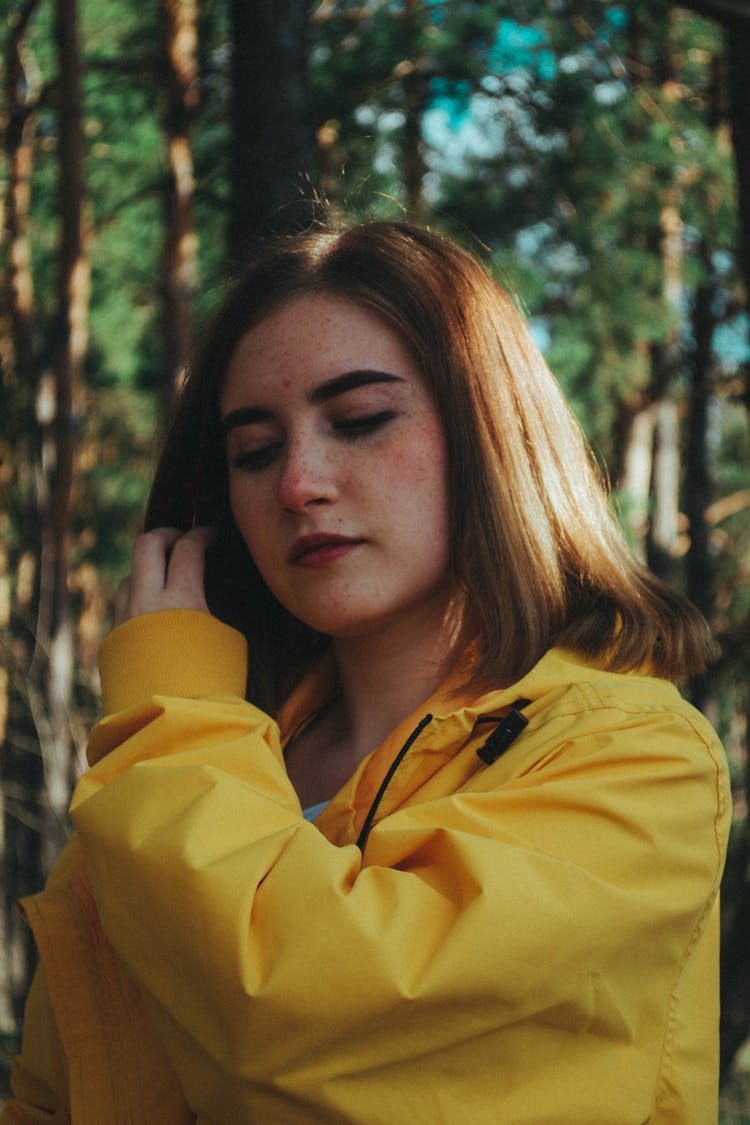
point(331, 389)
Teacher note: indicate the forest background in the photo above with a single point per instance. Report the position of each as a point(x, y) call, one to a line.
point(595, 154)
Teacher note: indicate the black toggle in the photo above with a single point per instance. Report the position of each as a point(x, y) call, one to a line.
point(505, 733)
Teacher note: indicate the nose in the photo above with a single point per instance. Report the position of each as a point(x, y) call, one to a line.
point(308, 476)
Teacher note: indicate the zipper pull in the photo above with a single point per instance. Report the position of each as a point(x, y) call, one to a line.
point(506, 732)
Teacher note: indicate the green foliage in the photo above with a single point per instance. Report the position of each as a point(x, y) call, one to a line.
point(124, 174)
point(556, 140)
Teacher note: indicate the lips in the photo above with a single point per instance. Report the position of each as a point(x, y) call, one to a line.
point(320, 547)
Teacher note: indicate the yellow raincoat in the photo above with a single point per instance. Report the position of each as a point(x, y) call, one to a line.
point(522, 941)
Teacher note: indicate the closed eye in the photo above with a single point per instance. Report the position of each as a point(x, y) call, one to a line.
point(351, 429)
point(254, 460)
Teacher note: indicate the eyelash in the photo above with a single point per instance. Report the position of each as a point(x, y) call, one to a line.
point(255, 460)
point(354, 428)
point(351, 429)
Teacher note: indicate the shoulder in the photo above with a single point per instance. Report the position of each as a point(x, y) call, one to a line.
point(564, 686)
point(589, 725)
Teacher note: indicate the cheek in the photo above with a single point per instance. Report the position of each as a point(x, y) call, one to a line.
point(246, 510)
point(432, 464)
point(419, 483)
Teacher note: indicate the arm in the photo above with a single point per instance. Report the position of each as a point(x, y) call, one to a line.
point(557, 902)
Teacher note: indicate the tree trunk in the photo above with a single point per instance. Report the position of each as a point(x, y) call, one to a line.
point(415, 86)
point(635, 477)
point(735, 963)
point(19, 145)
point(412, 156)
point(734, 16)
point(665, 360)
point(7, 1015)
point(180, 36)
point(21, 776)
point(738, 52)
point(272, 134)
point(698, 486)
point(663, 521)
point(51, 675)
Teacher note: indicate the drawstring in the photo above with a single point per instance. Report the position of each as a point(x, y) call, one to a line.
point(508, 729)
point(387, 779)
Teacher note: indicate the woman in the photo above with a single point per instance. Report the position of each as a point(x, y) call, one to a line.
point(505, 909)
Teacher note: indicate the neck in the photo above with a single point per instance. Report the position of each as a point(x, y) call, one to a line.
point(385, 676)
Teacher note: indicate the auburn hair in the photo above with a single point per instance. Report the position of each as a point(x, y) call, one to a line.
point(535, 547)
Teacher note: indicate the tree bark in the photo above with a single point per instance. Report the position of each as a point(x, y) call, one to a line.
point(665, 488)
point(698, 485)
point(180, 38)
point(51, 674)
point(738, 52)
point(734, 16)
point(734, 1025)
point(699, 491)
point(21, 777)
point(272, 132)
point(665, 359)
point(19, 147)
point(635, 477)
point(415, 86)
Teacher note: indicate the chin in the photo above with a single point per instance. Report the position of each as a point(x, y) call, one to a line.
point(342, 629)
point(366, 614)
point(345, 623)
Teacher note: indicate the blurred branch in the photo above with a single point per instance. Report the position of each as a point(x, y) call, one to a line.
point(151, 190)
point(18, 20)
point(723, 11)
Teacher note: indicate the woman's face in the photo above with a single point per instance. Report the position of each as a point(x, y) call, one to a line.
point(337, 468)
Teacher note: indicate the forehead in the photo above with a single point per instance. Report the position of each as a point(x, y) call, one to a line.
point(312, 338)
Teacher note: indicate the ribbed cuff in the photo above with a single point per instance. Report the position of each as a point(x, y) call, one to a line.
point(177, 652)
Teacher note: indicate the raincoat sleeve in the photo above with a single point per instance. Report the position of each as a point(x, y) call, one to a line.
point(553, 907)
point(39, 1081)
point(90, 1055)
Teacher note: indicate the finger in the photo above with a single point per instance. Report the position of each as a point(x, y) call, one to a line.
point(122, 602)
point(187, 563)
point(150, 555)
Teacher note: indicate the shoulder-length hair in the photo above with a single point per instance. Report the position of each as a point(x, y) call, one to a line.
point(535, 547)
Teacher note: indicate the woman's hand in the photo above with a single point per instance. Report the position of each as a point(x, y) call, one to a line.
point(168, 569)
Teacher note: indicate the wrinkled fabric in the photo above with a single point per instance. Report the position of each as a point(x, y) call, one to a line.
point(530, 941)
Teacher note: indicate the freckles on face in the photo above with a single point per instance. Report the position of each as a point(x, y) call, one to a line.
point(337, 464)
